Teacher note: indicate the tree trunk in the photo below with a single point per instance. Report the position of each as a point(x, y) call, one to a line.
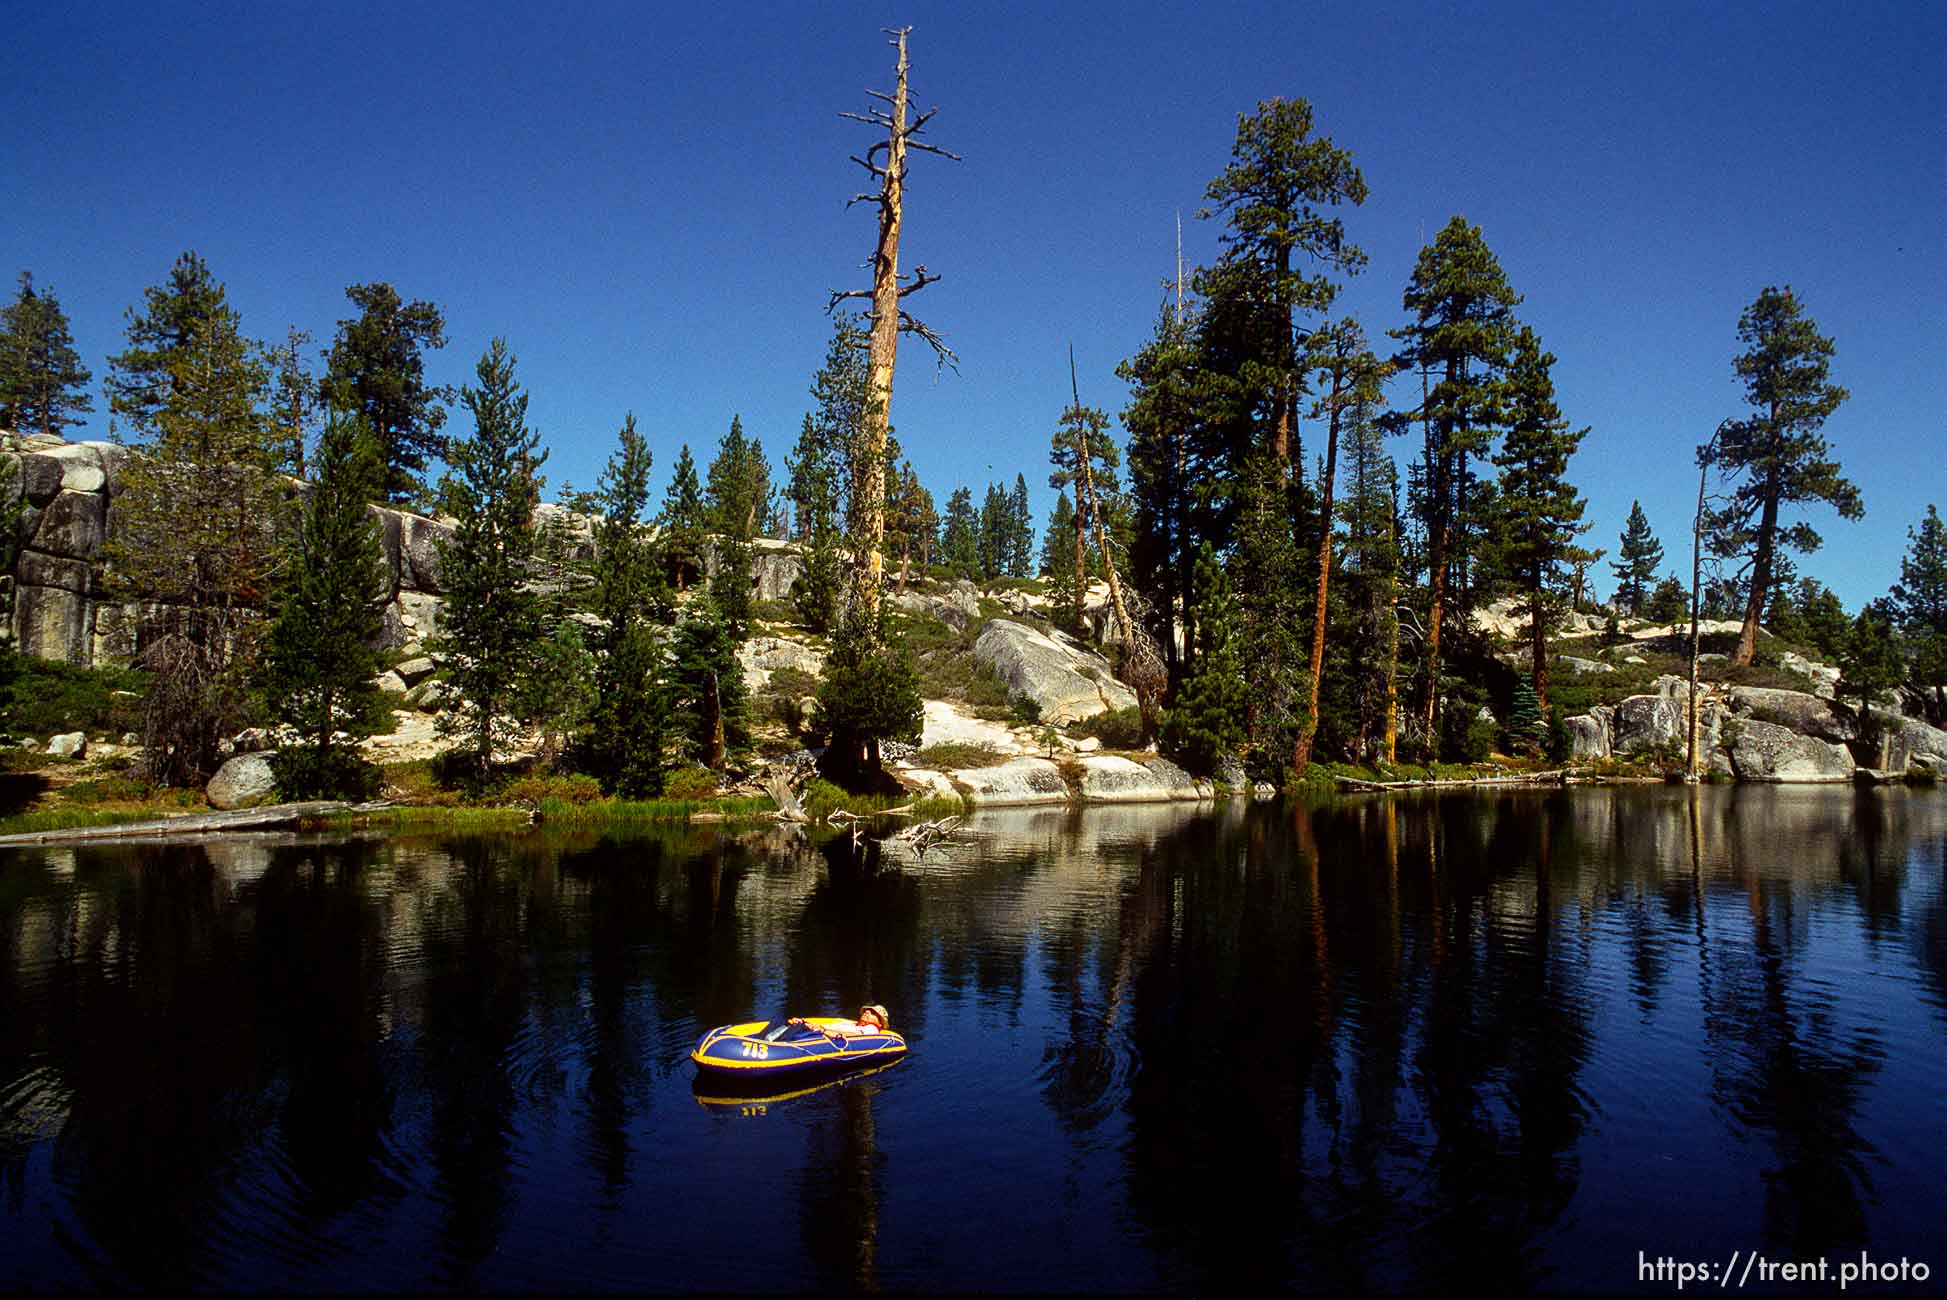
point(1102, 545)
point(1081, 560)
point(1437, 585)
point(1392, 690)
point(1302, 753)
point(1747, 637)
point(869, 507)
point(713, 707)
point(1538, 641)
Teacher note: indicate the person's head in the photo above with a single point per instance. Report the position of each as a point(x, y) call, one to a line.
point(874, 1014)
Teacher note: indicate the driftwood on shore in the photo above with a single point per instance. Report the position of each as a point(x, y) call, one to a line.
point(276, 815)
point(1557, 777)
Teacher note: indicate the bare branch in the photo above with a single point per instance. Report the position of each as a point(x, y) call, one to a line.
point(924, 147)
point(877, 118)
point(880, 94)
point(920, 280)
point(941, 352)
point(840, 295)
point(921, 121)
point(865, 198)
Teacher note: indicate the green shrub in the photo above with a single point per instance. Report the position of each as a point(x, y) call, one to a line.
point(693, 781)
point(1024, 709)
point(48, 698)
point(1116, 729)
point(307, 772)
point(955, 754)
point(533, 791)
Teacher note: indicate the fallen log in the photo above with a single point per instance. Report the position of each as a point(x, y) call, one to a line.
point(1557, 777)
point(276, 815)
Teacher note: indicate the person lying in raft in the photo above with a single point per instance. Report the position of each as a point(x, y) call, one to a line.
point(872, 1019)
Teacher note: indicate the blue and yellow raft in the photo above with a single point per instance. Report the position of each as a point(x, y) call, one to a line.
point(775, 1049)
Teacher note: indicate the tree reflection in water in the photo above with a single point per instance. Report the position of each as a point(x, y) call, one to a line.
point(1365, 1042)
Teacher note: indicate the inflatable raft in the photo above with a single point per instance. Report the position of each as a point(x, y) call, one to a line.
point(779, 1049)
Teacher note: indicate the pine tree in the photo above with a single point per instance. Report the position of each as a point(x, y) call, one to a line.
point(321, 655)
point(1462, 329)
point(737, 492)
point(1919, 604)
point(1084, 458)
point(194, 530)
point(994, 532)
point(960, 535)
point(142, 378)
point(1371, 575)
point(1273, 198)
point(1668, 603)
point(1056, 562)
point(1169, 503)
point(1539, 510)
point(1870, 663)
point(683, 521)
point(1776, 457)
point(1527, 729)
point(869, 694)
point(492, 623)
point(1827, 625)
point(1266, 571)
point(1642, 556)
point(1207, 722)
point(43, 385)
point(708, 696)
point(629, 718)
point(377, 368)
point(1020, 546)
point(912, 522)
point(294, 403)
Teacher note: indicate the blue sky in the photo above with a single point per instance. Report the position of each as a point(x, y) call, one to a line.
point(648, 201)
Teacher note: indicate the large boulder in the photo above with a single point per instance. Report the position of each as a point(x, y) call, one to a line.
point(1824, 677)
point(763, 655)
point(1646, 723)
point(72, 744)
point(420, 545)
point(1575, 664)
point(957, 607)
point(36, 569)
point(50, 623)
point(40, 477)
point(73, 524)
point(1808, 715)
point(243, 782)
point(1765, 751)
point(1067, 681)
point(946, 725)
point(1589, 735)
point(1021, 781)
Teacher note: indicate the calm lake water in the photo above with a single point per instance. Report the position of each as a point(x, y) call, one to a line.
point(1503, 1040)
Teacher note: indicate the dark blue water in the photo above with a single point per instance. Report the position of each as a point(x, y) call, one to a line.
point(1509, 1041)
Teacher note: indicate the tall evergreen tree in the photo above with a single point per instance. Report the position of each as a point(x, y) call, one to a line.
point(1371, 574)
point(1353, 377)
point(869, 694)
point(1776, 458)
point(1207, 723)
point(1919, 607)
point(1084, 458)
point(912, 523)
point(1020, 545)
point(630, 717)
point(709, 697)
point(1870, 665)
point(1461, 331)
point(195, 527)
point(683, 521)
point(1280, 246)
point(294, 403)
point(1168, 499)
point(43, 385)
point(1267, 573)
point(994, 532)
point(1642, 556)
point(322, 656)
point(492, 622)
point(1539, 510)
point(737, 490)
point(377, 368)
point(960, 535)
point(143, 378)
